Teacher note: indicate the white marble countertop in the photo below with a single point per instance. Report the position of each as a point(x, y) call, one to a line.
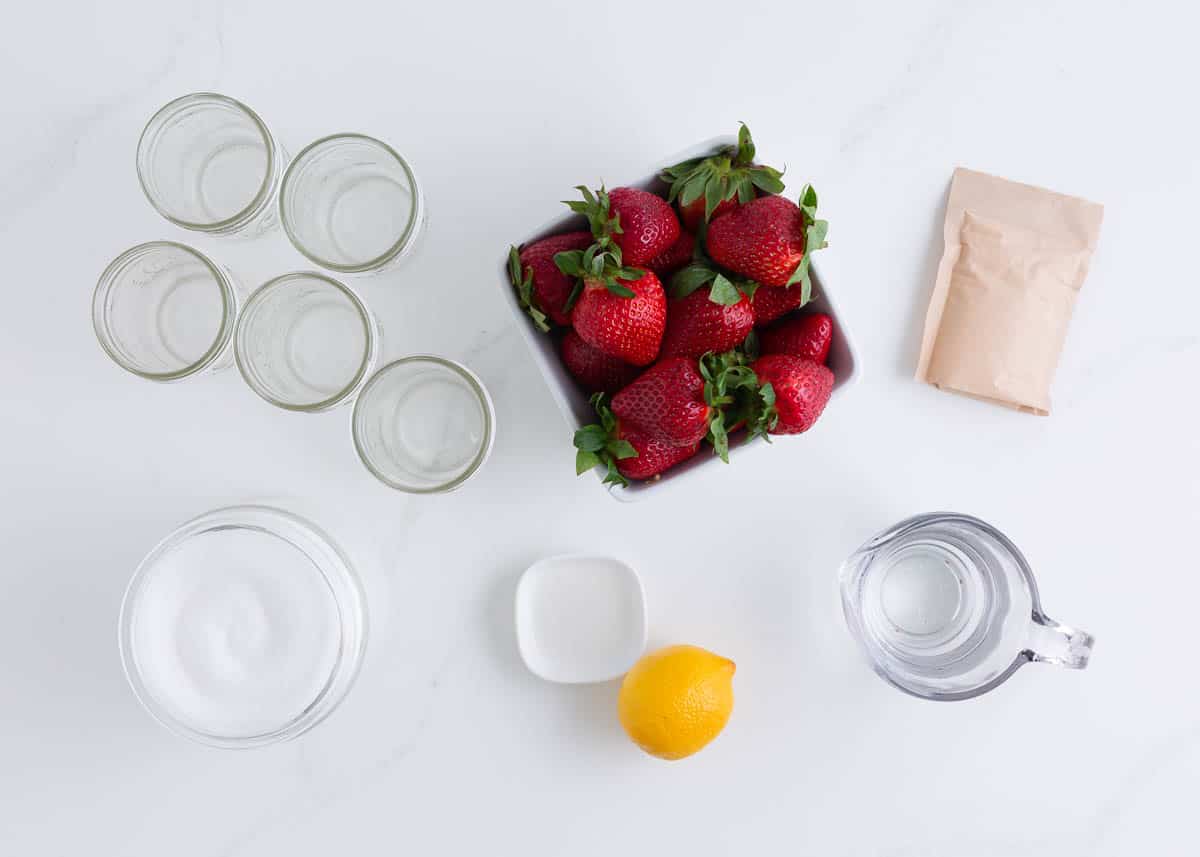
point(447, 745)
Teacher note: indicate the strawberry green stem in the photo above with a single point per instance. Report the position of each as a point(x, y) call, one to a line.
point(602, 260)
point(729, 383)
point(815, 232)
point(598, 444)
point(729, 173)
point(523, 282)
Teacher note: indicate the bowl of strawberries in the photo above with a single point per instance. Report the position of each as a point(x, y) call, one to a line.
point(682, 314)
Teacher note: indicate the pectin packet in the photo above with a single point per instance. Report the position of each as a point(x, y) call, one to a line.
point(1015, 258)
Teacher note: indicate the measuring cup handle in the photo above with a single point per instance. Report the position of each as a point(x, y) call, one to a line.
point(1052, 642)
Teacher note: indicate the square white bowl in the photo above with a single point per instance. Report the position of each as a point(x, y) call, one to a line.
point(573, 403)
point(580, 618)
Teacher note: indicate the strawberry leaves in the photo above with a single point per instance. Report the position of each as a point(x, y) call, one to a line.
point(767, 180)
point(815, 232)
point(597, 208)
point(725, 290)
point(691, 277)
point(601, 261)
point(716, 191)
point(808, 202)
point(693, 186)
point(745, 189)
point(744, 155)
point(597, 264)
point(523, 282)
point(751, 348)
point(761, 415)
point(598, 444)
point(728, 380)
point(725, 175)
point(737, 396)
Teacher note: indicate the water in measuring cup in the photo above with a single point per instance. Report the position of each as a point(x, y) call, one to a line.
point(940, 607)
point(920, 594)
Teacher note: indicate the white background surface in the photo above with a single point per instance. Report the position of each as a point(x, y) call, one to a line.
point(447, 745)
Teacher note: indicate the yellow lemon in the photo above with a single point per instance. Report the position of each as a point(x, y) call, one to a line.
point(676, 700)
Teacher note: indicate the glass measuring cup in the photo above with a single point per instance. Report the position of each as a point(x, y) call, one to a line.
point(945, 607)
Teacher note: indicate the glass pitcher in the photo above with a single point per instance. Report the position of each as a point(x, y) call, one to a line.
point(945, 607)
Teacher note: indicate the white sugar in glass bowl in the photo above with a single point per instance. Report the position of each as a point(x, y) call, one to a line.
point(244, 627)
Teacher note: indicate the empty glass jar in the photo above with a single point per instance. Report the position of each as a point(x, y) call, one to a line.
point(165, 311)
point(208, 163)
point(424, 424)
point(306, 342)
point(351, 203)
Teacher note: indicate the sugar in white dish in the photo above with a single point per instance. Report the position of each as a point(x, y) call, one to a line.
point(235, 632)
point(580, 618)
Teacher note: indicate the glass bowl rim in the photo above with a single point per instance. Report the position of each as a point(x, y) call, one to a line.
point(352, 617)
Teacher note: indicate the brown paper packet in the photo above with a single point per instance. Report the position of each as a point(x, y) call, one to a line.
point(1015, 257)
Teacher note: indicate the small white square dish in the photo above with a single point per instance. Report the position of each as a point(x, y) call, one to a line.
point(580, 619)
point(574, 404)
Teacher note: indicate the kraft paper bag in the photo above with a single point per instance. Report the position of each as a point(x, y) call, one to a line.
point(1015, 258)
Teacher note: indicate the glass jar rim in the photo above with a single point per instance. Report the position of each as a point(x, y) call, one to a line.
point(325, 556)
point(364, 366)
point(261, 197)
point(397, 247)
point(220, 341)
point(485, 402)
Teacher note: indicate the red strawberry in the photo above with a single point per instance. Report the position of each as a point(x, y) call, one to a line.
point(666, 403)
point(808, 336)
point(653, 456)
point(648, 224)
point(801, 387)
point(769, 239)
point(762, 240)
point(692, 214)
point(697, 325)
point(707, 188)
point(771, 303)
point(674, 257)
point(541, 287)
point(627, 452)
point(628, 328)
point(595, 371)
